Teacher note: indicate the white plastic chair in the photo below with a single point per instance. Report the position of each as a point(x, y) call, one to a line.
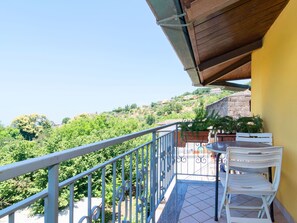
point(255, 137)
point(251, 183)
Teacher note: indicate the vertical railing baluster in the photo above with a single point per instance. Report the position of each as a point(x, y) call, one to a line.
point(114, 190)
point(163, 164)
point(153, 176)
point(124, 186)
point(137, 186)
point(169, 158)
point(192, 167)
point(173, 154)
point(53, 194)
point(158, 169)
point(142, 185)
point(166, 170)
point(71, 202)
point(130, 187)
point(170, 155)
point(162, 178)
point(45, 208)
point(163, 169)
point(146, 181)
point(176, 150)
point(11, 218)
point(103, 194)
point(90, 198)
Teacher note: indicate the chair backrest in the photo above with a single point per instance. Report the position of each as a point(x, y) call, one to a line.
point(256, 158)
point(254, 137)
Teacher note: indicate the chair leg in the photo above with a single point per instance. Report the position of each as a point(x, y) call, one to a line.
point(228, 215)
point(266, 208)
point(224, 198)
point(269, 200)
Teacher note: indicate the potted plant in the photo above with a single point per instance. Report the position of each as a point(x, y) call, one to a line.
point(253, 124)
point(225, 128)
point(196, 130)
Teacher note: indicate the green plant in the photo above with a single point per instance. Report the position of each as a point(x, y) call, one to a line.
point(225, 124)
point(252, 124)
point(202, 121)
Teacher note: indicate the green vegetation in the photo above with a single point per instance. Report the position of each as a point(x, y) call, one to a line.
point(34, 135)
point(229, 125)
point(31, 126)
point(201, 122)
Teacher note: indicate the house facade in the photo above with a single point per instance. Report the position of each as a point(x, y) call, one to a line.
point(274, 96)
point(235, 105)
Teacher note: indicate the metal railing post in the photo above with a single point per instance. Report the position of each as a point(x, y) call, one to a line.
point(53, 194)
point(176, 147)
point(153, 176)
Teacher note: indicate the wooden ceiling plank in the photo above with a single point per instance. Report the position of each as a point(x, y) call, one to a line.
point(227, 43)
point(228, 69)
point(227, 56)
point(242, 10)
point(201, 10)
point(237, 23)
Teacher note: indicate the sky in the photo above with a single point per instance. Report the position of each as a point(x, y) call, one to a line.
point(64, 58)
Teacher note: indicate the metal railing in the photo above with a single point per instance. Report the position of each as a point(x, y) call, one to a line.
point(138, 179)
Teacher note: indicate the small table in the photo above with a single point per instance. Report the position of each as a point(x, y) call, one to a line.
point(221, 147)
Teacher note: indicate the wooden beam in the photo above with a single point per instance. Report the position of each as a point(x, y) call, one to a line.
point(227, 56)
point(228, 69)
point(231, 85)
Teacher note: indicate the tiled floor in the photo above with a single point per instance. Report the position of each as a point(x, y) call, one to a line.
point(193, 202)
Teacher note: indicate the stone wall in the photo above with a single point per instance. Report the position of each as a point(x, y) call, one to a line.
point(235, 105)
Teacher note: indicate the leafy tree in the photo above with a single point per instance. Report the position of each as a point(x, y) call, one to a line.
point(118, 110)
point(65, 120)
point(186, 93)
point(8, 135)
point(153, 104)
point(133, 106)
point(202, 90)
point(150, 119)
point(127, 108)
point(31, 126)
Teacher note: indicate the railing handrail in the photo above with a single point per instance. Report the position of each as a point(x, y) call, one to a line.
point(26, 166)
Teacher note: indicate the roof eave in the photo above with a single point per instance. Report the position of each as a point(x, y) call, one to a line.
point(169, 16)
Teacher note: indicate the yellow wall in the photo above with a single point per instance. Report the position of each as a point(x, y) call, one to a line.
point(274, 96)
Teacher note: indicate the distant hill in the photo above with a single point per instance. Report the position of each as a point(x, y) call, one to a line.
point(178, 107)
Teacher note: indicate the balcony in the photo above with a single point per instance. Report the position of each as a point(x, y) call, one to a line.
point(154, 182)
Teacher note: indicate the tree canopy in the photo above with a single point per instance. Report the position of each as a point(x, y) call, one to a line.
point(34, 135)
point(31, 126)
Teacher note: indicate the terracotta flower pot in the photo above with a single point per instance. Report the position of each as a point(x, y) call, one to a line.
point(226, 137)
point(195, 137)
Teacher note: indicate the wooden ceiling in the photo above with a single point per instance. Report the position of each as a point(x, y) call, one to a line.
point(223, 34)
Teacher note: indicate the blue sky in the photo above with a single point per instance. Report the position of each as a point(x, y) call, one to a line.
point(64, 58)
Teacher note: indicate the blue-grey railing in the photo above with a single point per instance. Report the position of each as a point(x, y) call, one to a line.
point(136, 193)
point(138, 186)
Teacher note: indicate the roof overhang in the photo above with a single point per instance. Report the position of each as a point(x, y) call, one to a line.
point(170, 17)
point(214, 39)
